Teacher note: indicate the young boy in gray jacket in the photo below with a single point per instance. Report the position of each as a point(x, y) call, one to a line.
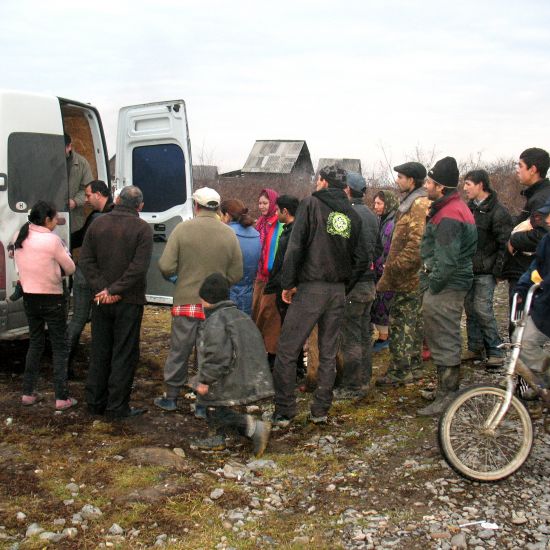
point(233, 369)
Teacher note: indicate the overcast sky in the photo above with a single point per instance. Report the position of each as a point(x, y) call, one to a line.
point(351, 78)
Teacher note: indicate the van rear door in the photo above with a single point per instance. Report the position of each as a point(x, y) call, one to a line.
point(154, 153)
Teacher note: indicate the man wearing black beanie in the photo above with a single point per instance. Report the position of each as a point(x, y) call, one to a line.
point(447, 249)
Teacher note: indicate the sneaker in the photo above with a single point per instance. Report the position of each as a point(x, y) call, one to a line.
point(169, 404)
point(260, 437)
point(281, 421)
point(212, 443)
point(64, 404)
point(30, 399)
point(381, 345)
point(472, 356)
point(318, 420)
point(494, 362)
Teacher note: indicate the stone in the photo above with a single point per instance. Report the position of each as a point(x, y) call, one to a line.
point(72, 487)
point(485, 534)
point(116, 529)
point(20, 516)
point(216, 493)
point(179, 452)
point(459, 541)
point(33, 529)
point(70, 532)
point(59, 521)
point(48, 535)
point(90, 512)
point(330, 488)
point(157, 456)
point(234, 470)
point(261, 464)
point(76, 519)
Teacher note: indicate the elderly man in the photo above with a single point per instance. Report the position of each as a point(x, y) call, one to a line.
point(195, 249)
point(401, 276)
point(447, 248)
point(115, 257)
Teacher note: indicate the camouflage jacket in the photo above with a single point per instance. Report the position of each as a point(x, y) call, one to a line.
point(403, 261)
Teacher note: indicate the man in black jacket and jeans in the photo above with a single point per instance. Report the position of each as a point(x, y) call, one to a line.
point(322, 258)
point(494, 224)
point(531, 170)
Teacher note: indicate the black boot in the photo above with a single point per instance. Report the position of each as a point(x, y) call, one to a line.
point(448, 381)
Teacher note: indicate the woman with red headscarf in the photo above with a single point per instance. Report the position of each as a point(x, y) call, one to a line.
point(264, 308)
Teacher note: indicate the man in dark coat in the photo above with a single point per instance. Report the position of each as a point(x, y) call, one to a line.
point(531, 170)
point(494, 224)
point(233, 368)
point(321, 260)
point(115, 258)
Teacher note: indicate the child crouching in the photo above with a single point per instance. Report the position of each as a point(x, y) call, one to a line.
point(232, 368)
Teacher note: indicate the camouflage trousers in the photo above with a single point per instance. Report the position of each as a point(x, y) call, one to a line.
point(406, 331)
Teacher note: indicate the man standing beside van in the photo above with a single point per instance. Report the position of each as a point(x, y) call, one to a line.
point(195, 249)
point(79, 174)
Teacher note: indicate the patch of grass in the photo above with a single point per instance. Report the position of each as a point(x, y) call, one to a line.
point(128, 476)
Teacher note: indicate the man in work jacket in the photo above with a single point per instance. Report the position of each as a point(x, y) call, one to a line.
point(401, 276)
point(447, 248)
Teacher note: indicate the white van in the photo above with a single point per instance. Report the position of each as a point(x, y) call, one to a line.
point(153, 152)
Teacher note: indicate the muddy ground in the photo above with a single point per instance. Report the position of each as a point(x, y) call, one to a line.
point(373, 478)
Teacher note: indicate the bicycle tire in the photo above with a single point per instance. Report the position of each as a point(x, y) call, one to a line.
point(477, 455)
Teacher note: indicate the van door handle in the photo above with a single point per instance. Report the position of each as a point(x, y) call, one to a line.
point(3, 182)
point(159, 238)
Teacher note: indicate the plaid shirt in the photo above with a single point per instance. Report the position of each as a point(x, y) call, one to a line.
point(189, 310)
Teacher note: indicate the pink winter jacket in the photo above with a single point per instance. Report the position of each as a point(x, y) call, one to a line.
point(40, 261)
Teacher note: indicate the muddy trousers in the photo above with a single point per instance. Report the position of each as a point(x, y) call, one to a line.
point(314, 303)
point(114, 357)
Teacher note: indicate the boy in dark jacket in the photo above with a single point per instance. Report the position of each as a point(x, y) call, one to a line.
point(233, 368)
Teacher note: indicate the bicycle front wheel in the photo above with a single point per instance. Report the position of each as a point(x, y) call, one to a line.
point(475, 452)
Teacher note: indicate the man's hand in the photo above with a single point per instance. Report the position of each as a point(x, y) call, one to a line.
point(72, 204)
point(201, 389)
point(287, 295)
point(104, 297)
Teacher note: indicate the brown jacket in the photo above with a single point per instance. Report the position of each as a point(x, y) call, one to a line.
point(197, 248)
point(403, 262)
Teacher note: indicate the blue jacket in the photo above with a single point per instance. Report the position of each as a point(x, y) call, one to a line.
point(249, 241)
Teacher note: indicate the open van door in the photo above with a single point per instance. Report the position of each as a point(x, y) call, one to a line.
point(154, 153)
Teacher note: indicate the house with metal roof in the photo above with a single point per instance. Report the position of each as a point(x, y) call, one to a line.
point(351, 165)
point(288, 157)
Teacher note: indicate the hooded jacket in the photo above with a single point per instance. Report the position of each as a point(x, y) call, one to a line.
point(323, 242)
point(448, 245)
point(494, 224)
point(232, 359)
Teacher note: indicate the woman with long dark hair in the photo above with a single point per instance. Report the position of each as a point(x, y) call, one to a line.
point(235, 214)
point(42, 259)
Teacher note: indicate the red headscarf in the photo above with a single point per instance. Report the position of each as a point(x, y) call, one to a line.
point(263, 220)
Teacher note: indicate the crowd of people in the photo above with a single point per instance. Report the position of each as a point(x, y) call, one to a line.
point(248, 293)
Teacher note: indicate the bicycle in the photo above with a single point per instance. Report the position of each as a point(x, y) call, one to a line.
point(486, 432)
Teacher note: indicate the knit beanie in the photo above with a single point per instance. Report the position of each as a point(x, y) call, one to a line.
point(214, 289)
point(445, 172)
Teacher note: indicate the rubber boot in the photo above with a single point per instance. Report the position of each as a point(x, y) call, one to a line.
point(448, 381)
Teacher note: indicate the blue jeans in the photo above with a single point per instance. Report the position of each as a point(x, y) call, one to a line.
point(480, 318)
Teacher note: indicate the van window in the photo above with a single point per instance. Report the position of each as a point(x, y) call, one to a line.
point(159, 171)
point(37, 170)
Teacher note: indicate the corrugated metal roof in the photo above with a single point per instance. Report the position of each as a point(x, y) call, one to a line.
point(274, 156)
point(352, 165)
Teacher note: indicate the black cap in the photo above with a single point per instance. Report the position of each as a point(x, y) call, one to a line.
point(356, 182)
point(214, 289)
point(545, 208)
point(336, 177)
point(411, 170)
point(445, 172)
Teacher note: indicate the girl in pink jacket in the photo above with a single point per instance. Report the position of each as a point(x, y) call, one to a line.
point(42, 260)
